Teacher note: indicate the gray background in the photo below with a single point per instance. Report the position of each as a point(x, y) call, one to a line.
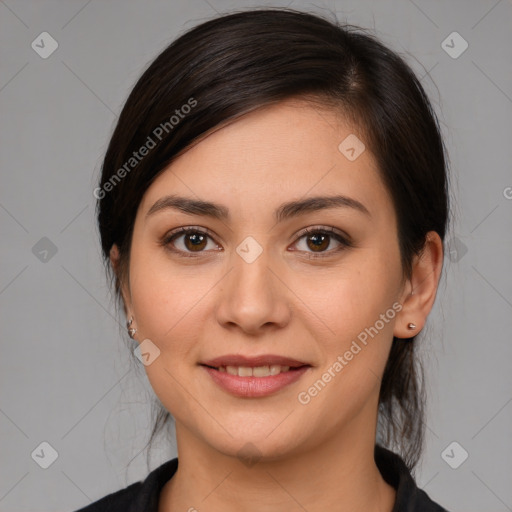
point(65, 370)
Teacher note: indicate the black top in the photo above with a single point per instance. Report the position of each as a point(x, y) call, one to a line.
point(143, 496)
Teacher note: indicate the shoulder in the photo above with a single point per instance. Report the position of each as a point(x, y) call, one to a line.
point(141, 495)
point(423, 502)
point(409, 497)
point(118, 500)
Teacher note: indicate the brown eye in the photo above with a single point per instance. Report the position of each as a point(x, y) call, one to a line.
point(194, 241)
point(318, 240)
point(187, 240)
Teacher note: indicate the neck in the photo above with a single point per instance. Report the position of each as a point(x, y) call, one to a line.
point(341, 470)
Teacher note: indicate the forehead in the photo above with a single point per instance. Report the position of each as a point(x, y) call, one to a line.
point(289, 150)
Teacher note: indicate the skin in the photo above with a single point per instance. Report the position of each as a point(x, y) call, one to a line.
point(193, 309)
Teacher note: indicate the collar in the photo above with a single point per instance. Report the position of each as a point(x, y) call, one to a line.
point(409, 498)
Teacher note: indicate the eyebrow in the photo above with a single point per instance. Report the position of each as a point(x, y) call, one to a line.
point(283, 212)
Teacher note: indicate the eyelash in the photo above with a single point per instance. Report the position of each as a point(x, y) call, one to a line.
point(344, 241)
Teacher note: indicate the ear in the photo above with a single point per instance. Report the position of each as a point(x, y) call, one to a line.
point(125, 290)
point(420, 290)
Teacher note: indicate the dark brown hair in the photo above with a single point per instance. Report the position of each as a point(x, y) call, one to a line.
point(235, 63)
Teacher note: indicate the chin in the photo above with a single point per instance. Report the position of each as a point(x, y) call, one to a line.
point(256, 446)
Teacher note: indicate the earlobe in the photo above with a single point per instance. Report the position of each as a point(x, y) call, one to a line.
point(131, 330)
point(420, 291)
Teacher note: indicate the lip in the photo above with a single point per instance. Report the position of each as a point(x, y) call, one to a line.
point(255, 387)
point(251, 362)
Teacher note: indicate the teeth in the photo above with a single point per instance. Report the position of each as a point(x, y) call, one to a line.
point(275, 369)
point(261, 371)
point(243, 371)
point(258, 371)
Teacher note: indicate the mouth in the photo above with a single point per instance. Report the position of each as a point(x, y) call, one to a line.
point(256, 371)
point(254, 377)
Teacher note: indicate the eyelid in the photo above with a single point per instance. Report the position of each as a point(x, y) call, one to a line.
point(327, 229)
point(186, 229)
point(183, 230)
point(343, 238)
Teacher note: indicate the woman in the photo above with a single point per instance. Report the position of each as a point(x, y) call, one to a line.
point(273, 205)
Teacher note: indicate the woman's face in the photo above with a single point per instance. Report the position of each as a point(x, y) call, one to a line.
point(254, 284)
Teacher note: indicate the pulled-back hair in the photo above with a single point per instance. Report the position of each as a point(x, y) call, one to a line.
point(235, 63)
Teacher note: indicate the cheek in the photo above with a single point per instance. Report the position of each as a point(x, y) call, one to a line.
point(166, 304)
point(163, 300)
point(361, 314)
point(356, 294)
point(360, 310)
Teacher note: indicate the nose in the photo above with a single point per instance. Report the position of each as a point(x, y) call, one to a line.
point(253, 297)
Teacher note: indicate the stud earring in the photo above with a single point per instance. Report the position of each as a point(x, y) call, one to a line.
point(411, 326)
point(131, 330)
